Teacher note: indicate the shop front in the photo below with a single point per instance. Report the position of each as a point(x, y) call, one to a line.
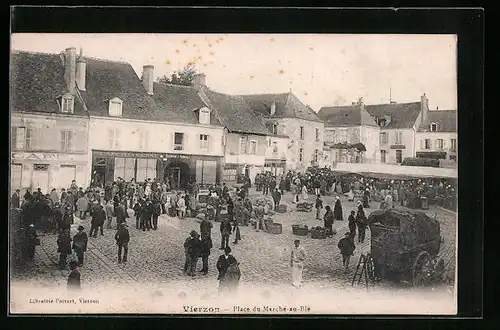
point(277, 167)
point(176, 169)
point(46, 171)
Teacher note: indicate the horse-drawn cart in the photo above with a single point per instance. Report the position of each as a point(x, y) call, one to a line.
point(407, 243)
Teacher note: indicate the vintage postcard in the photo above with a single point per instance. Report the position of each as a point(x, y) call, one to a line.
point(222, 174)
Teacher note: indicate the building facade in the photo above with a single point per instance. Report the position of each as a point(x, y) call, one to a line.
point(49, 123)
point(437, 135)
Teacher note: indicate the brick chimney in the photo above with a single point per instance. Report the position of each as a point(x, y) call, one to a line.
point(424, 106)
point(199, 80)
point(148, 78)
point(81, 68)
point(70, 69)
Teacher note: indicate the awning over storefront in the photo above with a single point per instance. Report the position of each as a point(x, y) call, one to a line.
point(357, 146)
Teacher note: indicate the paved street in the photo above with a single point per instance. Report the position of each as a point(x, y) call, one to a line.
point(156, 258)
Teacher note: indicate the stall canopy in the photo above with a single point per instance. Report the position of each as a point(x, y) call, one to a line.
point(357, 146)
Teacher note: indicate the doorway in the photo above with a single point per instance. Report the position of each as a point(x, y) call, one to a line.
point(177, 175)
point(40, 178)
point(399, 156)
point(99, 172)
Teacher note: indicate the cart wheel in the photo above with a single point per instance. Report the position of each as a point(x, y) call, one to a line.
point(422, 269)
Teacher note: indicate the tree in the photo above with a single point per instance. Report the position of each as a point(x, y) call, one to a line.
point(182, 77)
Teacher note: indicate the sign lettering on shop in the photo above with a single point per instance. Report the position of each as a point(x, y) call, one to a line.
point(178, 156)
point(125, 154)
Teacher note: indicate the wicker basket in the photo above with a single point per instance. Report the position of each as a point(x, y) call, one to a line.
point(318, 233)
point(275, 228)
point(300, 230)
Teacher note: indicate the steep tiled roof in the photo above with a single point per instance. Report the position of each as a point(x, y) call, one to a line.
point(403, 115)
point(37, 80)
point(287, 106)
point(235, 113)
point(346, 116)
point(180, 100)
point(446, 120)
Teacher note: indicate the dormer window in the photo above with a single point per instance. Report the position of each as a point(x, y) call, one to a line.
point(272, 110)
point(204, 116)
point(381, 122)
point(68, 103)
point(115, 107)
point(433, 127)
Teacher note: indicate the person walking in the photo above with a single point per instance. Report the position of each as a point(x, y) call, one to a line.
point(319, 206)
point(361, 222)
point(222, 266)
point(74, 283)
point(206, 246)
point(236, 231)
point(194, 253)
point(206, 228)
point(63, 247)
point(109, 213)
point(225, 230)
point(173, 204)
point(329, 219)
point(146, 215)
point(181, 207)
point(30, 242)
point(347, 247)
point(80, 244)
point(337, 209)
point(120, 213)
point(97, 222)
point(276, 198)
point(352, 224)
point(82, 205)
point(122, 238)
point(164, 200)
point(189, 246)
point(137, 211)
point(156, 212)
point(297, 263)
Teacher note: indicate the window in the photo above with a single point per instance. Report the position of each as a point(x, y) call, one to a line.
point(316, 155)
point(179, 141)
point(16, 171)
point(453, 143)
point(18, 137)
point(115, 107)
point(302, 132)
point(243, 144)
point(204, 116)
point(440, 144)
point(433, 127)
point(114, 138)
point(329, 135)
point(399, 156)
point(275, 129)
point(275, 148)
point(129, 170)
point(317, 134)
point(204, 142)
point(382, 122)
point(253, 147)
point(398, 137)
point(67, 104)
point(383, 155)
point(66, 140)
point(143, 140)
point(269, 143)
point(383, 138)
point(230, 174)
point(342, 135)
point(146, 169)
point(427, 144)
point(301, 154)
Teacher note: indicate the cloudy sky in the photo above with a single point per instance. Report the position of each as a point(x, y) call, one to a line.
point(322, 70)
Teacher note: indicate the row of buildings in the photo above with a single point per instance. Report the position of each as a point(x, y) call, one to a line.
point(86, 119)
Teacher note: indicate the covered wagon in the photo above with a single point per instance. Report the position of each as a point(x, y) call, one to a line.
point(405, 242)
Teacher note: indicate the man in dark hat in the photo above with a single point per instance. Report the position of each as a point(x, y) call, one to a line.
point(347, 247)
point(80, 244)
point(15, 200)
point(190, 247)
point(122, 238)
point(223, 264)
point(225, 230)
point(98, 219)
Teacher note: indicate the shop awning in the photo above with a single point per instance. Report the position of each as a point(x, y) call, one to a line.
point(357, 146)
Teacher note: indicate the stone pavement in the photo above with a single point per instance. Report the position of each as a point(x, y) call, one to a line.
point(156, 258)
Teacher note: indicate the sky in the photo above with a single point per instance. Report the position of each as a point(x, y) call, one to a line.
point(320, 69)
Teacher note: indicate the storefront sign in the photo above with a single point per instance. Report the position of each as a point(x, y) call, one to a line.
point(126, 154)
point(178, 156)
point(398, 146)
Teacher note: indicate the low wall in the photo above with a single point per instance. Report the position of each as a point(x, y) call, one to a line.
point(397, 170)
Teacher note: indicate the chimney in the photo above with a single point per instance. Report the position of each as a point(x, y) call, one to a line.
point(148, 78)
point(424, 106)
point(70, 69)
point(81, 68)
point(360, 102)
point(199, 80)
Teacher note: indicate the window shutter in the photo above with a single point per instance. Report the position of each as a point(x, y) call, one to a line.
point(422, 144)
point(444, 144)
point(30, 138)
point(117, 138)
point(13, 137)
point(62, 140)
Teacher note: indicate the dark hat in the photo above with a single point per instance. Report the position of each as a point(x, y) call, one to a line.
point(80, 228)
point(193, 233)
point(296, 241)
point(347, 234)
point(227, 249)
point(73, 264)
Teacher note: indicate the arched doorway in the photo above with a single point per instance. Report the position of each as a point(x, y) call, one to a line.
point(177, 174)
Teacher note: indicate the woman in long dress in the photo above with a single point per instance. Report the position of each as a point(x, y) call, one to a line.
point(305, 196)
point(337, 210)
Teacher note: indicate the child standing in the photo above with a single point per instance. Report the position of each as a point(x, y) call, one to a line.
point(347, 247)
point(319, 206)
point(74, 276)
point(352, 224)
